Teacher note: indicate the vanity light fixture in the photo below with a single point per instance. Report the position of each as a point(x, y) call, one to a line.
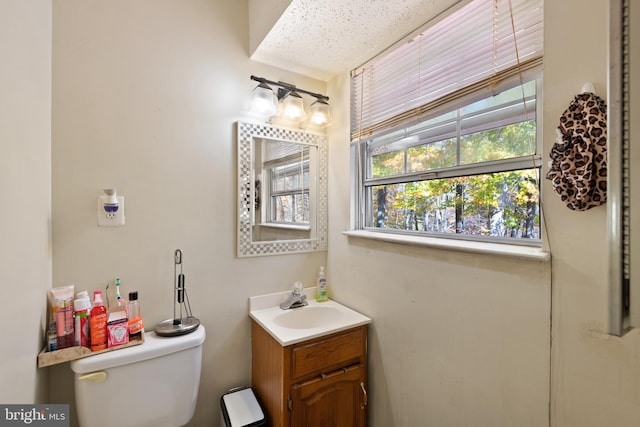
point(320, 113)
point(263, 101)
point(291, 108)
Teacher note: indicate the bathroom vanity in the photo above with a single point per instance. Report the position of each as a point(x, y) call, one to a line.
point(308, 370)
point(318, 382)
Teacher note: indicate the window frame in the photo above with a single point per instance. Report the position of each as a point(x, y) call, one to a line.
point(303, 189)
point(361, 209)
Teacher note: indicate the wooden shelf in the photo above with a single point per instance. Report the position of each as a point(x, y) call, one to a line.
point(48, 358)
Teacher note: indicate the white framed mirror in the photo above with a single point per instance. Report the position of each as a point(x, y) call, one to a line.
point(282, 190)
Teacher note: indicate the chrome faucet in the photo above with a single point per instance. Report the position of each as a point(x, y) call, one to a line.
point(296, 299)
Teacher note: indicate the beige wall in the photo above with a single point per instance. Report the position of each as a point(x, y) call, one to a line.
point(457, 339)
point(25, 191)
point(146, 95)
point(463, 340)
point(263, 15)
point(595, 377)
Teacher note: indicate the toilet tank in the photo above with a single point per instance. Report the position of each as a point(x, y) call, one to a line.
point(154, 384)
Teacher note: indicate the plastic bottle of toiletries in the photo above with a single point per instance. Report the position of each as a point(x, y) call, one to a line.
point(322, 287)
point(64, 326)
point(84, 295)
point(98, 323)
point(81, 310)
point(52, 337)
point(136, 325)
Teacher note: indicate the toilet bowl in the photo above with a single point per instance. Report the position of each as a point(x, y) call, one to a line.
point(154, 384)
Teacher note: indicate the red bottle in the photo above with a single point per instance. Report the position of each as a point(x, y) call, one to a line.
point(98, 323)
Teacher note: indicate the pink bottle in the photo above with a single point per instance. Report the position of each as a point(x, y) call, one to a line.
point(64, 326)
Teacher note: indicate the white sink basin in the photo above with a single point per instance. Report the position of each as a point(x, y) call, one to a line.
point(299, 324)
point(308, 317)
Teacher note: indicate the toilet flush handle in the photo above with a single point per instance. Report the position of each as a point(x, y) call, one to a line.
point(97, 377)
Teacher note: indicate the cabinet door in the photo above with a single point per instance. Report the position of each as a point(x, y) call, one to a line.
point(337, 399)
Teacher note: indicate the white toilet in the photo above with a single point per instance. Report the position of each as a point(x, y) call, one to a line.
point(154, 384)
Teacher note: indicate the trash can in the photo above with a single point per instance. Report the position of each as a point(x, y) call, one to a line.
point(240, 408)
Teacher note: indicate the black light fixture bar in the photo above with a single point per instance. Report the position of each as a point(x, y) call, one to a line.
point(286, 88)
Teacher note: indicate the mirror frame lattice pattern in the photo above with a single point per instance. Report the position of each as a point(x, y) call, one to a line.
point(246, 247)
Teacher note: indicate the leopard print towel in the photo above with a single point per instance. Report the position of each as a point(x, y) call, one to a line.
point(579, 158)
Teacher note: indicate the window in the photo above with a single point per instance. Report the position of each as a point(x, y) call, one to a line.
point(289, 193)
point(445, 140)
point(284, 170)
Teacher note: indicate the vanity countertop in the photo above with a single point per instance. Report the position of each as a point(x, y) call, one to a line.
point(299, 324)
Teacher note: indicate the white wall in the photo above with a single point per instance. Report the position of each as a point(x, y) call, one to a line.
point(145, 97)
point(25, 191)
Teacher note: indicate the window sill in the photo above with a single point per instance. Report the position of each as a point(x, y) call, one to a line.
point(285, 226)
point(517, 251)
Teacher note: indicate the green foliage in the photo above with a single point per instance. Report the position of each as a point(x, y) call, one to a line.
point(436, 155)
point(498, 204)
point(388, 164)
point(507, 142)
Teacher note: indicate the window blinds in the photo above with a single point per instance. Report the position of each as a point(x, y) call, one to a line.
point(276, 153)
point(463, 51)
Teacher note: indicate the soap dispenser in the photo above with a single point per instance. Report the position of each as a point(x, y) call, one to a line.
point(322, 287)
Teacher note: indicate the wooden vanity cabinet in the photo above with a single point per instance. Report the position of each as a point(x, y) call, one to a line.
point(318, 382)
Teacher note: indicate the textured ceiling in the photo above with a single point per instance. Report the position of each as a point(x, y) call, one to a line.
point(322, 38)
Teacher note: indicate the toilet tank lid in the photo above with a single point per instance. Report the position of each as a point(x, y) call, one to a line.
point(153, 346)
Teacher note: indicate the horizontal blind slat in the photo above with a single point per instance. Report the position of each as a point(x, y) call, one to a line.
point(441, 62)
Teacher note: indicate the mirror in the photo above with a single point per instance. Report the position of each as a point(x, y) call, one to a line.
point(282, 190)
point(623, 175)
